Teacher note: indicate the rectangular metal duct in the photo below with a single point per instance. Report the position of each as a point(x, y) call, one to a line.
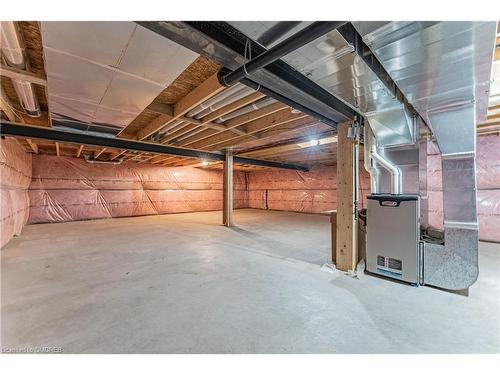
point(330, 62)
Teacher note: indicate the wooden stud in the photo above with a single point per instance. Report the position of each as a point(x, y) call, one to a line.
point(227, 201)
point(57, 149)
point(346, 251)
point(79, 151)
point(32, 145)
point(98, 153)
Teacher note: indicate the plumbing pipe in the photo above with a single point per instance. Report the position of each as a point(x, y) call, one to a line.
point(249, 108)
point(369, 164)
point(245, 91)
point(221, 96)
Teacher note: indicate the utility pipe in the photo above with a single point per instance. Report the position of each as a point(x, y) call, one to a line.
point(249, 108)
point(369, 163)
point(394, 171)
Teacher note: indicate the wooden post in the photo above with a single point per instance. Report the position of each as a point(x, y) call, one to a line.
point(227, 200)
point(346, 252)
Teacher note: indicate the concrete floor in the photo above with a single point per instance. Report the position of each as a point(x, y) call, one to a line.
point(184, 284)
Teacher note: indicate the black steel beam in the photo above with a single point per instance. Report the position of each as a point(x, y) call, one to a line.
point(232, 38)
point(277, 31)
point(8, 128)
point(287, 101)
point(292, 43)
point(352, 37)
point(225, 44)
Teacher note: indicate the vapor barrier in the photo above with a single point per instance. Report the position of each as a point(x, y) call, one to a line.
point(488, 187)
point(312, 192)
point(15, 178)
point(67, 189)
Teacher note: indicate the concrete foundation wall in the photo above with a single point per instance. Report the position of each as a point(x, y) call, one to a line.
point(15, 178)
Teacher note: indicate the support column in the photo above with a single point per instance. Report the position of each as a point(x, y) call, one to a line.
point(227, 200)
point(346, 248)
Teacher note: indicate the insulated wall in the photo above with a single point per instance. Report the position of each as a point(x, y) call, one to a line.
point(15, 178)
point(66, 189)
point(312, 192)
point(488, 187)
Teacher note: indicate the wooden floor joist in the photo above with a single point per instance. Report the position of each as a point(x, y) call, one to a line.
point(24, 75)
point(236, 122)
point(203, 92)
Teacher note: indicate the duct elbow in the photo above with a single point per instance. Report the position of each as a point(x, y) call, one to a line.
point(394, 171)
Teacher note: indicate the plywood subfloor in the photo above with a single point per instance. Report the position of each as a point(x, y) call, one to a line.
point(185, 284)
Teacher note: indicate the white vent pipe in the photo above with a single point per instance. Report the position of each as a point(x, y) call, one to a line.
point(369, 163)
point(377, 158)
point(249, 108)
point(236, 96)
point(217, 98)
point(13, 54)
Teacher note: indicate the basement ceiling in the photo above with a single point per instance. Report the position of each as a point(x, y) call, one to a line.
point(107, 72)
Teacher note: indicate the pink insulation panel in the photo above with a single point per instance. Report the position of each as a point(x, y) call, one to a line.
point(312, 192)
point(15, 178)
point(488, 187)
point(67, 189)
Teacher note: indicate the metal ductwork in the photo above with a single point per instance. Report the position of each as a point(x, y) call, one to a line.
point(14, 56)
point(443, 69)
